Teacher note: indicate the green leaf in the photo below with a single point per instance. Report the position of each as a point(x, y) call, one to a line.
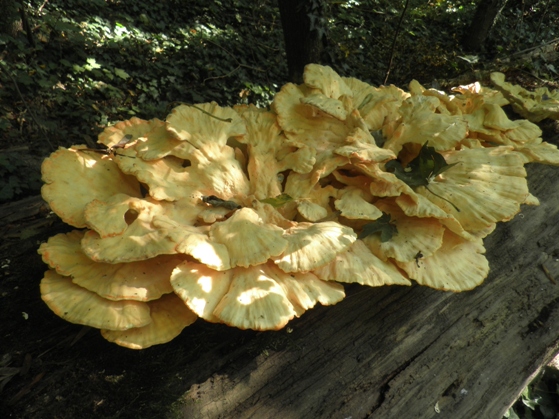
point(423, 169)
point(511, 414)
point(381, 225)
point(530, 400)
point(122, 74)
point(471, 59)
point(91, 64)
point(278, 201)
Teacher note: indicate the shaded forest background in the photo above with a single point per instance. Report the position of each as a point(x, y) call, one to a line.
point(69, 68)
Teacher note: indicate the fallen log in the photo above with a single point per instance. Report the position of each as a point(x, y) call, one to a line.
point(411, 352)
point(386, 352)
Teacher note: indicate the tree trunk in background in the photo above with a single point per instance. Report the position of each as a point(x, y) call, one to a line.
point(485, 17)
point(303, 44)
point(10, 20)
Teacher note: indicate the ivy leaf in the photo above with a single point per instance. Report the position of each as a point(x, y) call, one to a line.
point(122, 74)
point(421, 170)
point(381, 225)
point(91, 64)
point(278, 201)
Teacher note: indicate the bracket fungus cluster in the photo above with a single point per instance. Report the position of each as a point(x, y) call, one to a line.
point(249, 217)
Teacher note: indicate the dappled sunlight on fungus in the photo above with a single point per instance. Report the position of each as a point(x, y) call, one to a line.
point(251, 295)
point(249, 217)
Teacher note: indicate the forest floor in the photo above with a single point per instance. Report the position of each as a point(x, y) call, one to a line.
point(100, 63)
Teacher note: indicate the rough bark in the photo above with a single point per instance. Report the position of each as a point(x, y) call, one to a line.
point(485, 17)
point(303, 38)
point(409, 352)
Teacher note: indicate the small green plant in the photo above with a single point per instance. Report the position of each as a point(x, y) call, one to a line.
point(540, 398)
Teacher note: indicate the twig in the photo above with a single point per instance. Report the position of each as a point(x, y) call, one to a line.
point(533, 48)
point(548, 82)
point(16, 149)
point(394, 42)
point(42, 5)
point(221, 77)
point(548, 274)
point(239, 65)
point(213, 116)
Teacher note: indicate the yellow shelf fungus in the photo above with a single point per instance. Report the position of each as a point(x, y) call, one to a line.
point(249, 217)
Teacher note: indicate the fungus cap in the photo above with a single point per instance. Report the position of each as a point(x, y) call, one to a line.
point(211, 171)
point(353, 205)
point(201, 288)
point(328, 105)
point(307, 124)
point(486, 185)
point(534, 106)
point(270, 152)
point(458, 265)
point(420, 123)
point(74, 177)
point(313, 245)
point(141, 281)
point(260, 297)
point(359, 265)
point(206, 126)
point(304, 290)
point(169, 316)
point(325, 79)
point(134, 128)
point(248, 239)
point(378, 106)
point(414, 234)
point(361, 146)
point(139, 238)
point(265, 298)
point(159, 143)
point(78, 305)
point(201, 247)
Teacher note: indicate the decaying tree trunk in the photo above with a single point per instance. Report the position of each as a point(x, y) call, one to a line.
point(407, 352)
point(485, 17)
point(389, 352)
